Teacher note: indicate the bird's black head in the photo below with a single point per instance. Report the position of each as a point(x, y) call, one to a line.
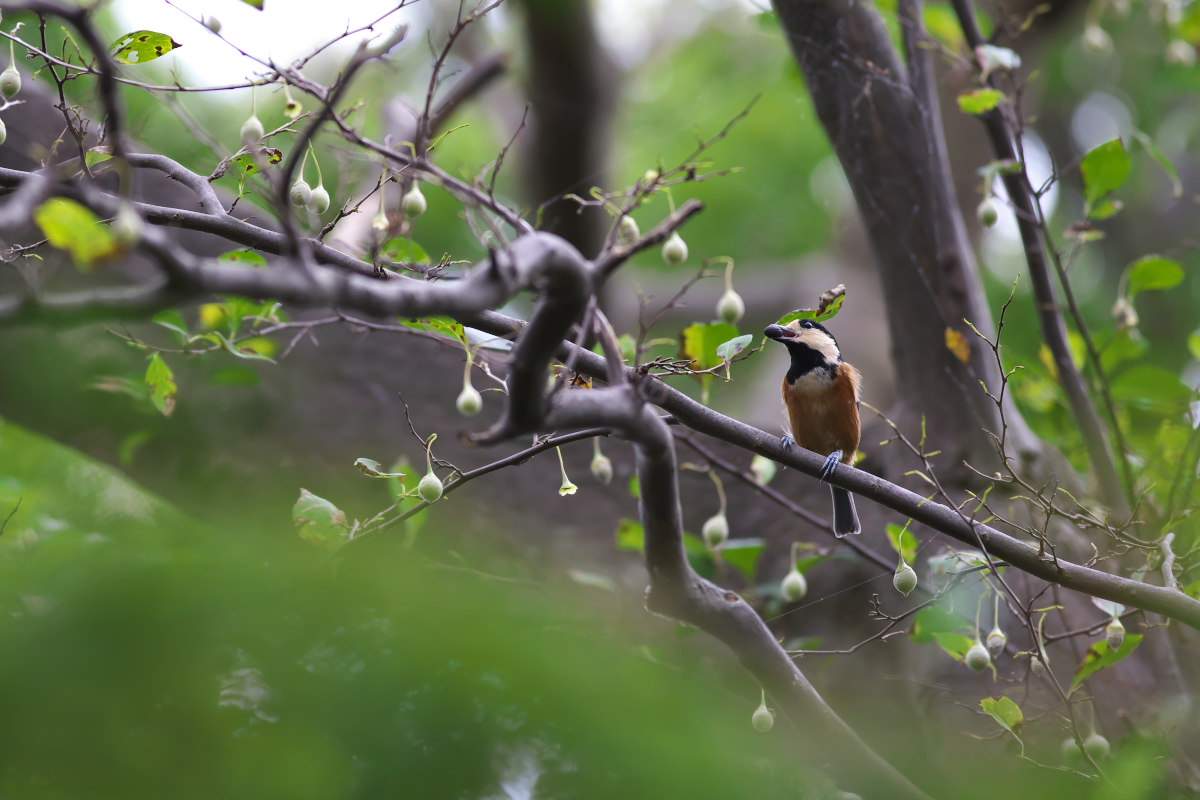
point(810, 344)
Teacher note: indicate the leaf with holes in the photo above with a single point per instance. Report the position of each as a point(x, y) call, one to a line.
point(142, 46)
point(248, 164)
point(160, 382)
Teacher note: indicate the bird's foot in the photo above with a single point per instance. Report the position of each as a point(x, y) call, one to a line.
point(787, 442)
point(831, 462)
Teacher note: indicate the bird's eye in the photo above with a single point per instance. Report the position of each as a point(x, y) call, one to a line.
point(806, 324)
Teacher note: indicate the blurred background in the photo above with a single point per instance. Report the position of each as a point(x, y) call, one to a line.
point(169, 631)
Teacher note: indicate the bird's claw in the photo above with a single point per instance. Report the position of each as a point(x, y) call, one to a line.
point(787, 442)
point(831, 462)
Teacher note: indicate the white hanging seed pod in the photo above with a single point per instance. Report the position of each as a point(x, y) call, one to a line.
point(1071, 754)
point(715, 530)
point(10, 82)
point(212, 23)
point(413, 204)
point(1097, 40)
point(127, 225)
point(1096, 746)
point(731, 307)
point(675, 249)
point(1179, 52)
point(602, 468)
point(627, 229)
point(978, 658)
point(764, 718)
point(987, 212)
point(469, 401)
point(430, 488)
point(763, 469)
point(996, 640)
point(300, 193)
point(318, 200)
point(905, 579)
point(1114, 634)
point(794, 585)
point(252, 130)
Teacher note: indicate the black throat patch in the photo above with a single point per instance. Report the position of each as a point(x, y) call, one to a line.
point(805, 360)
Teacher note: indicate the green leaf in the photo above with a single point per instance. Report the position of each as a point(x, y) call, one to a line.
point(955, 644)
point(767, 21)
point(254, 3)
point(1104, 170)
point(404, 251)
point(1153, 272)
point(727, 350)
point(439, 325)
point(1100, 656)
point(74, 228)
point(141, 46)
point(815, 315)
point(1158, 155)
point(630, 535)
point(1194, 345)
point(248, 164)
point(373, 469)
point(96, 155)
point(1006, 712)
point(803, 565)
point(320, 521)
point(173, 321)
point(743, 555)
point(160, 381)
point(246, 258)
point(700, 556)
point(700, 343)
point(979, 101)
point(1152, 388)
point(903, 541)
point(932, 620)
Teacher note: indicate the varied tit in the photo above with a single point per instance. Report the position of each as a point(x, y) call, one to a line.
point(820, 392)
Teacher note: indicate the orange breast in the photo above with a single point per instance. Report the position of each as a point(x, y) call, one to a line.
point(823, 411)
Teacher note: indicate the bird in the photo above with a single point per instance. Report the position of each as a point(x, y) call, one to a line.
point(821, 395)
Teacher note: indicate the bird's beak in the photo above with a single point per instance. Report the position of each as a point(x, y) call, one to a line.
point(777, 332)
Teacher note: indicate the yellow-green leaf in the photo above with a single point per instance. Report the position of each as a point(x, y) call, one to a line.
point(160, 381)
point(1100, 656)
point(142, 46)
point(902, 541)
point(74, 228)
point(320, 522)
point(1006, 712)
point(979, 101)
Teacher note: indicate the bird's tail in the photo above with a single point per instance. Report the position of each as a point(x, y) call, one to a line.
point(845, 516)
